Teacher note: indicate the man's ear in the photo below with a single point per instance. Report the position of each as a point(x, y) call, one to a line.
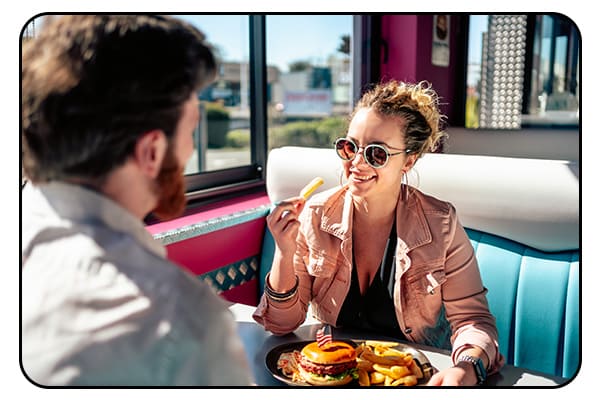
point(149, 152)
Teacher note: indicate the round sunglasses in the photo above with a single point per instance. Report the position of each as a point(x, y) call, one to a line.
point(376, 155)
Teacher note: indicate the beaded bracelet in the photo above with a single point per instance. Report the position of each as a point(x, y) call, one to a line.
point(280, 297)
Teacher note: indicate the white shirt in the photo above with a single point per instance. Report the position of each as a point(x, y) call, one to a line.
point(101, 305)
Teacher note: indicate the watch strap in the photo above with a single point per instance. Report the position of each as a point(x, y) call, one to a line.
point(477, 364)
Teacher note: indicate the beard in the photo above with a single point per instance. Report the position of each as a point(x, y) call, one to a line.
point(170, 188)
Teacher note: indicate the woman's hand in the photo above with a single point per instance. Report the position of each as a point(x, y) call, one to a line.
point(283, 224)
point(462, 374)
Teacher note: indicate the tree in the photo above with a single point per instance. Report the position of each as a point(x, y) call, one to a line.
point(344, 46)
point(297, 66)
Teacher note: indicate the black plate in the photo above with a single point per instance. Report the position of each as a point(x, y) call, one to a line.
point(273, 356)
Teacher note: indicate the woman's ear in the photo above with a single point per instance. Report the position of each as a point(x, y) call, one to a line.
point(410, 162)
point(150, 151)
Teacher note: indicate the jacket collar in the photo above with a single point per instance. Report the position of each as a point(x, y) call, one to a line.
point(411, 223)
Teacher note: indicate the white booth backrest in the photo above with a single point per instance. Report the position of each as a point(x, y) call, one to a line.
point(531, 201)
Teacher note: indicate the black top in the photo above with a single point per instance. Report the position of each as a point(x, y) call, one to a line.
point(375, 310)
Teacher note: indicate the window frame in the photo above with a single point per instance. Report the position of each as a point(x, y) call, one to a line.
point(573, 54)
point(527, 78)
point(205, 186)
point(210, 186)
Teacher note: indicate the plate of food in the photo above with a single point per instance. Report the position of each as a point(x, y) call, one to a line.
point(349, 363)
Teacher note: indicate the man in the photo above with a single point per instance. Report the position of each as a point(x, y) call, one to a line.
point(109, 105)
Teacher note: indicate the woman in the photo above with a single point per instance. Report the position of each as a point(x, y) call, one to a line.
point(378, 254)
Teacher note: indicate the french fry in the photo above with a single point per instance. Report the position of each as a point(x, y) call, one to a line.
point(380, 343)
point(364, 364)
point(385, 351)
point(385, 360)
point(388, 381)
point(359, 349)
point(408, 380)
point(380, 364)
point(311, 187)
point(377, 377)
point(398, 371)
point(415, 370)
point(397, 382)
point(363, 378)
point(382, 369)
point(394, 372)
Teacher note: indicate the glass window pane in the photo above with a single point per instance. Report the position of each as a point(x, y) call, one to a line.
point(222, 138)
point(478, 26)
point(554, 97)
point(554, 53)
point(309, 88)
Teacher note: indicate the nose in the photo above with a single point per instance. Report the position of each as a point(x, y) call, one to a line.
point(360, 155)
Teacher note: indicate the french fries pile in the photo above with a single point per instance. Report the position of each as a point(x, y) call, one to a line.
point(379, 364)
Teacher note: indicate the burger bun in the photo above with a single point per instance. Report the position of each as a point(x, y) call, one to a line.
point(335, 352)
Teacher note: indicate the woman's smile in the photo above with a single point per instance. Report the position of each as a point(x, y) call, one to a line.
point(361, 177)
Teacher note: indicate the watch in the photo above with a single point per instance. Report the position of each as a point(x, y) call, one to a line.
point(477, 364)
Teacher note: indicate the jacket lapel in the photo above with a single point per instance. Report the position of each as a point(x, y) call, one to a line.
point(411, 224)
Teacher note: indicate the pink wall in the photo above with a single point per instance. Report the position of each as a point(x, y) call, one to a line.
point(400, 33)
point(409, 39)
point(222, 248)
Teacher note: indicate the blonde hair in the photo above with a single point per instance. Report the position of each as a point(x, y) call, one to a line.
point(416, 105)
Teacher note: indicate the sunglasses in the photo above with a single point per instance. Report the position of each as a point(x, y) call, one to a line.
point(375, 155)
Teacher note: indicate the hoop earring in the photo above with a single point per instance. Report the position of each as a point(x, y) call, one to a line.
point(342, 177)
point(404, 187)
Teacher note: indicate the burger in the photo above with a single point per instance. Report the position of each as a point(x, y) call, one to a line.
point(333, 364)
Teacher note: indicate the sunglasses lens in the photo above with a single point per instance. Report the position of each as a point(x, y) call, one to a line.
point(376, 156)
point(345, 149)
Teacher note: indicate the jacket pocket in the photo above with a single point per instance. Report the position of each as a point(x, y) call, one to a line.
point(426, 280)
point(320, 264)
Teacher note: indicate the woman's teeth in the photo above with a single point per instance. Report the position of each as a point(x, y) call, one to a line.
point(363, 178)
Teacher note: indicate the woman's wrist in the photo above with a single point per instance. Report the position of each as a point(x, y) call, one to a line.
point(474, 368)
point(284, 256)
point(470, 377)
point(281, 296)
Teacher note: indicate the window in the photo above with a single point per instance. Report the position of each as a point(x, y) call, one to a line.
point(222, 138)
point(523, 70)
point(554, 96)
point(283, 80)
point(274, 89)
point(309, 78)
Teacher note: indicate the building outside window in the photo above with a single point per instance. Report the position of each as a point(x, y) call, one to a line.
point(310, 100)
point(523, 70)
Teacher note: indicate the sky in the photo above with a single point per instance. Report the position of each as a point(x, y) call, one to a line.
point(477, 25)
point(289, 37)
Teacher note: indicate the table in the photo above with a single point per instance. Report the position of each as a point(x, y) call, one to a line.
point(258, 342)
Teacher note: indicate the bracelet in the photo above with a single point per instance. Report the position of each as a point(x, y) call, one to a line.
point(280, 297)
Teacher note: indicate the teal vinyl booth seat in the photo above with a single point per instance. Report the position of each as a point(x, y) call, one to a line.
point(522, 217)
point(534, 296)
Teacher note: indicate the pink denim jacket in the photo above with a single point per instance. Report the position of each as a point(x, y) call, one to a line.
point(438, 293)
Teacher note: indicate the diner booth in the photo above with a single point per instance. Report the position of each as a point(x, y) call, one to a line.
point(522, 216)
point(516, 190)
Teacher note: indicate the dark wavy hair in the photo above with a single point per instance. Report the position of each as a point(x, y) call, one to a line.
point(92, 84)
